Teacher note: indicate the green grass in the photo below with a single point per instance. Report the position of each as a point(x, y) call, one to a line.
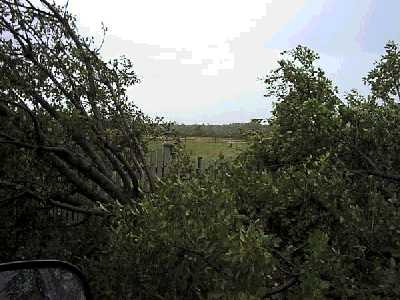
point(208, 148)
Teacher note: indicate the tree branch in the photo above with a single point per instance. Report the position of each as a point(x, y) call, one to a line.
point(95, 212)
point(279, 289)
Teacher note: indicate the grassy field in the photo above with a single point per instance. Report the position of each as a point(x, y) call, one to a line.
point(208, 148)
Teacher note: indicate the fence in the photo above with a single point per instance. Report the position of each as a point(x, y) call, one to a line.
point(159, 164)
point(159, 161)
point(65, 216)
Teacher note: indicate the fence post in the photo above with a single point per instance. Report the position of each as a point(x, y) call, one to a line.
point(167, 147)
point(156, 162)
point(199, 164)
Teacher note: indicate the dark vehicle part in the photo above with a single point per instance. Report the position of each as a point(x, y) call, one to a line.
point(42, 279)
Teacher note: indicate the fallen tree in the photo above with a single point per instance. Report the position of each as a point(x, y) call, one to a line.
point(68, 134)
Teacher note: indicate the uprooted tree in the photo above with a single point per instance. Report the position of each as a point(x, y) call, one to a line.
point(69, 136)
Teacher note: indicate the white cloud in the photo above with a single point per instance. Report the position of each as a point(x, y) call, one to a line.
point(173, 23)
point(194, 56)
point(165, 56)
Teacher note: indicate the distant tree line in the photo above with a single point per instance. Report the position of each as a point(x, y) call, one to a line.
point(232, 130)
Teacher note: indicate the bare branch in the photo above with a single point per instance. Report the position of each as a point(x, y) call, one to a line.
point(95, 212)
point(391, 177)
point(279, 289)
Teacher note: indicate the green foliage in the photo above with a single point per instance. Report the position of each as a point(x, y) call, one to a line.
point(334, 173)
point(188, 241)
point(384, 78)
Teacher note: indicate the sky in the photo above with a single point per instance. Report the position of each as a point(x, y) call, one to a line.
point(201, 61)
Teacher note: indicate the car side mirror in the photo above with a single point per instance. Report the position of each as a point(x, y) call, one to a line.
point(42, 279)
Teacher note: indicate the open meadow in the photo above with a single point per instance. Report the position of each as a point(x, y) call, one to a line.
point(208, 148)
point(211, 148)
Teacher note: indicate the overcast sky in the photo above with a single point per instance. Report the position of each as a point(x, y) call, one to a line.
point(199, 60)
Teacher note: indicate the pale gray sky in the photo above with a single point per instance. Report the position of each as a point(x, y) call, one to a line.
point(199, 60)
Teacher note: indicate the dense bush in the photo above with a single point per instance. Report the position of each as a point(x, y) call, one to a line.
point(312, 208)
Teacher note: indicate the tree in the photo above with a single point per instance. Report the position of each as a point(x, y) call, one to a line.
point(328, 189)
point(319, 220)
point(72, 137)
point(384, 79)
